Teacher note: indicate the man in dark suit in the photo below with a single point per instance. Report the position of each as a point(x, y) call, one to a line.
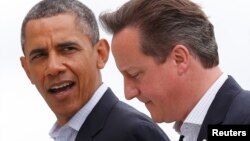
point(167, 53)
point(63, 56)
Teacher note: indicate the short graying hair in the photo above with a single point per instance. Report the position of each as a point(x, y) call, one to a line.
point(85, 19)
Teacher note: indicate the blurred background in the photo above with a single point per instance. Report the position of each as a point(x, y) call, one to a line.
point(24, 115)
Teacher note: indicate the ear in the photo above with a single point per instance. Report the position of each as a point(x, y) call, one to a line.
point(25, 67)
point(181, 57)
point(102, 48)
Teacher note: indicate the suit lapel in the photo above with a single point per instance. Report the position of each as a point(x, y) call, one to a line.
point(96, 119)
point(220, 106)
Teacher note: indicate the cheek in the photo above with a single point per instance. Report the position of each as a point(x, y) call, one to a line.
point(152, 91)
point(86, 75)
point(37, 76)
point(157, 89)
point(38, 80)
point(84, 70)
point(153, 83)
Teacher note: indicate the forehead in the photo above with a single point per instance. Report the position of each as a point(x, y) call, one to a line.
point(127, 40)
point(127, 50)
point(52, 30)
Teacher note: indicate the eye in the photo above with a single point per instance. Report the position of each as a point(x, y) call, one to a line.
point(68, 48)
point(135, 75)
point(37, 56)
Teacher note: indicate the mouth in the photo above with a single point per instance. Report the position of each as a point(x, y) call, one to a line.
point(143, 100)
point(59, 88)
point(147, 102)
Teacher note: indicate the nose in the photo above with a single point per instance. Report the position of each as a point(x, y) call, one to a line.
point(54, 65)
point(131, 91)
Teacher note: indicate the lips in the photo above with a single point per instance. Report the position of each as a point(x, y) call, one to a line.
point(58, 88)
point(143, 100)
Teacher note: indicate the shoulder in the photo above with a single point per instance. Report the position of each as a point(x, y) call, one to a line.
point(129, 115)
point(136, 125)
point(239, 112)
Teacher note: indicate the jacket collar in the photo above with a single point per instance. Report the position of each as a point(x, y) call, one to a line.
point(220, 106)
point(96, 119)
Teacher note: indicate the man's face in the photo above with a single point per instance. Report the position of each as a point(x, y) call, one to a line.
point(152, 83)
point(62, 63)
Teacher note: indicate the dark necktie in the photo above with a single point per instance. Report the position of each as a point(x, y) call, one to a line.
point(181, 138)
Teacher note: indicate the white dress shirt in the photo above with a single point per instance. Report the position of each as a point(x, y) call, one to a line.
point(192, 124)
point(69, 131)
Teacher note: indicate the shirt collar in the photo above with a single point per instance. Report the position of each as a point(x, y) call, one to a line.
point(198, 113)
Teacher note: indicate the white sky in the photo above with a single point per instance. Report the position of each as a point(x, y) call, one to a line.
point(24, 116)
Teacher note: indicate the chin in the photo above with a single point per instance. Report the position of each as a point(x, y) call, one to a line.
point(157, 118)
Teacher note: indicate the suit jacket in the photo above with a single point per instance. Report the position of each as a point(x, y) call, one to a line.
point(113, 120)
point(230, 106)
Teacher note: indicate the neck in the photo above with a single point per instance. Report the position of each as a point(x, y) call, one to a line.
point(199, 82)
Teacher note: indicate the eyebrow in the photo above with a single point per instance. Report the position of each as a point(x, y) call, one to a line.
point(37, 50)
point(66, 44)
point(60, 45)
point(128, 69)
